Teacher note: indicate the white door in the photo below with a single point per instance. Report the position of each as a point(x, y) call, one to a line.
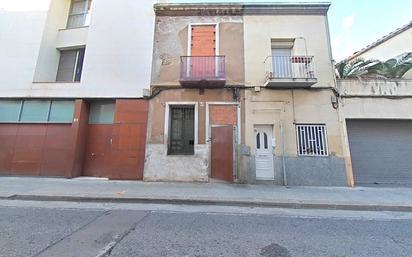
point(264, 153)
point(282, 65)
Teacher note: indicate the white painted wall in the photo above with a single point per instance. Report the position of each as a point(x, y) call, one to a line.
point(21, 29)
point(395, 46)
point(118, 49)
point(259, 30)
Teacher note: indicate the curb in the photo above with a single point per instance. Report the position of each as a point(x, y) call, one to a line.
point(218, 202)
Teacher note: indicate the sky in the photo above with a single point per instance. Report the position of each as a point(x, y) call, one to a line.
point(354, 24)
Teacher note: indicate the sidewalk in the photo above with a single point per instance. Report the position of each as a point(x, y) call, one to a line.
point(98, 190)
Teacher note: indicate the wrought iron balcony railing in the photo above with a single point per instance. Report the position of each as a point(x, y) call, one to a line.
point(290, 71)
point(196, 70)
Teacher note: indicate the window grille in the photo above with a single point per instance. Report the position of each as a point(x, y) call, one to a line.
point(182, 130)
point(312, 140)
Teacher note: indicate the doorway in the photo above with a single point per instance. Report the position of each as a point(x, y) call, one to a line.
point(264, 152)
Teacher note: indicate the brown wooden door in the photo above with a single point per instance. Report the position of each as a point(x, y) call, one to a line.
point(129, 139)
point(222, 153)
point(97, 152)
point(203, 51)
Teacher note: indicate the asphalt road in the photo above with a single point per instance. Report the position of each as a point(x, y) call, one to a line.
point(59, 229)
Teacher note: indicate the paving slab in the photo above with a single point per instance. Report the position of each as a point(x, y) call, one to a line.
point(98, 190)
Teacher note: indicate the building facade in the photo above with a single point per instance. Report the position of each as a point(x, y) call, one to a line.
point(197, 73)
point(259, 74)
point(377, 118)
point(73, 76)
point(235, 92)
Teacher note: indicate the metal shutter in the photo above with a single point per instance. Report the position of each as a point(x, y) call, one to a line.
point(381, 151)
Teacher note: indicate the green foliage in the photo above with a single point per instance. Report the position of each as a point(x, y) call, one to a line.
point(394, 68)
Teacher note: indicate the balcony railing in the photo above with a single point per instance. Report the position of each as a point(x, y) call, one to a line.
point(202, 71)
point(293, 71)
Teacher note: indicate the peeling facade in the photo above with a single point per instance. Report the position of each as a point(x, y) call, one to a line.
point(246, 36)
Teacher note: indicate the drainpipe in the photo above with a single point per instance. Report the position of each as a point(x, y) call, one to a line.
point(282, 131)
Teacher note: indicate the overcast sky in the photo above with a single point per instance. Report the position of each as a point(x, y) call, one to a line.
point(355, 24)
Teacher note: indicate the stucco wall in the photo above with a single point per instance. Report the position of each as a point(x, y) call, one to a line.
point(171, 39)
point(287, 108)
point(118, 51)
point(375, 99)
point(157, 108)
point(259, 30)
point(162, 167)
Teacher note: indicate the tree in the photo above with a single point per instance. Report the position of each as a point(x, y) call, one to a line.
point(394, 68)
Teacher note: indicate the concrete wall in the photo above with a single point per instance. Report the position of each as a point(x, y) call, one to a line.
point(171, 39)
point(118, 49)
point(259, 30)
point(376, 99)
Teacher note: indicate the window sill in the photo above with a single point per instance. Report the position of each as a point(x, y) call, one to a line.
point(56, 82)
point(79, 27)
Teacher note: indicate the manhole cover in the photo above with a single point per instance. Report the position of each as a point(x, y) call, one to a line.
point(275, 250)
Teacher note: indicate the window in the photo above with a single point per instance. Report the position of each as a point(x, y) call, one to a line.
point(70, 65)
point(36, 111)
point(61, 111)
point(79, 15)
point(10, 110)
point(312, 140)
point(102, 112)
point(182, 130)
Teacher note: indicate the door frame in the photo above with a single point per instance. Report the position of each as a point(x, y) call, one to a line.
point(167, 119)
point(271, 150)
point(236, 138)
point(189, 36)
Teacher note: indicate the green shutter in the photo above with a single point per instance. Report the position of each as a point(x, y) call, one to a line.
point(61, 111)
point(10, 110)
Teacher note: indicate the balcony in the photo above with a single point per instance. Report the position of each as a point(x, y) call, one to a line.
point(202, 71)
point(290, 72)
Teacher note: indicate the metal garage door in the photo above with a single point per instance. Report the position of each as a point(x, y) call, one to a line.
point(381, 151)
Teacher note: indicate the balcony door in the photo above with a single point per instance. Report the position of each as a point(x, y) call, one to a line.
point(282, 65)
point(203, 50)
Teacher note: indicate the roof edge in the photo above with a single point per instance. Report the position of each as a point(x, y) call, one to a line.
point(380, 41)
point(218, 9)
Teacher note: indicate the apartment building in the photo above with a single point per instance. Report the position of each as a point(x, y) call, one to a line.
point(73, 75)
point(244, 93)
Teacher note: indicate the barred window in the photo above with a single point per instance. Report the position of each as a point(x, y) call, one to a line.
point(312, 140)
point(182, 130)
